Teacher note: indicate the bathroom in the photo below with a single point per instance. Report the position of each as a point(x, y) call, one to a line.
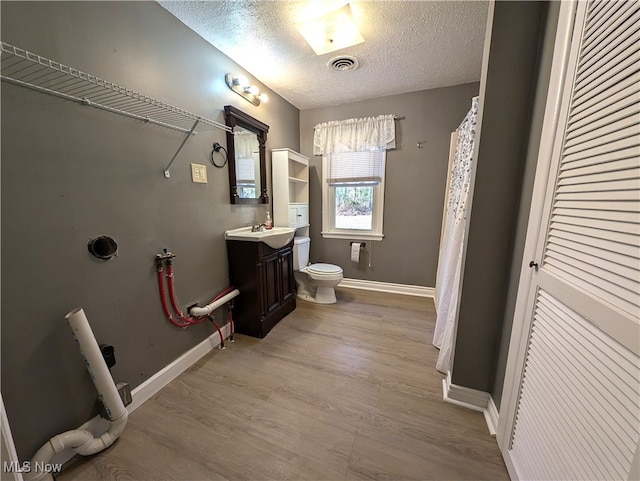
point(71, 174)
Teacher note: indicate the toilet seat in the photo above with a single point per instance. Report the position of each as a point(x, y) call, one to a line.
point(323, 270)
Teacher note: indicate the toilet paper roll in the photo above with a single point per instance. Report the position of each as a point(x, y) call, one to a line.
point(355, 251)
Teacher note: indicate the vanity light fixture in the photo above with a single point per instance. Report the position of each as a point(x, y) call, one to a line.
point(240, 85)
point(331, 31)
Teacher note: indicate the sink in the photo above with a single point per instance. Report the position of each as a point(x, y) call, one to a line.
point(274, 238)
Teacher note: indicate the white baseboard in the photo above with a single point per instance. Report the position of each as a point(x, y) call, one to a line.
point(471, 399)
point(406, 289)
point(491, 417)
point(464, 396)
point(155, 383)
point(142, 393)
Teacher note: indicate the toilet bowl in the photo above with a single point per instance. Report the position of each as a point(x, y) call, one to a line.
point(316, 282)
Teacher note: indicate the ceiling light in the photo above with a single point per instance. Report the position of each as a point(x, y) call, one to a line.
point(332, 31)
point(240, 85)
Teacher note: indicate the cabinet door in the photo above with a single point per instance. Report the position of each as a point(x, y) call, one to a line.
point(288, 282)
point(298, 215)
point(271, 282)
point(293, 216)
point(303, 214)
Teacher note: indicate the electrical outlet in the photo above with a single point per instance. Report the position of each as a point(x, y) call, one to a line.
point(199, 173)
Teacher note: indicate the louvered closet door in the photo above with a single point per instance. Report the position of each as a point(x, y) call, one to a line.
point(578, 412)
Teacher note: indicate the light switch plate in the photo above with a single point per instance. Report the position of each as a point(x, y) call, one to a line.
point(199, 173)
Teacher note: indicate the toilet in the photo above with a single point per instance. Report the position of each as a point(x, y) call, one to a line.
point(316, 282)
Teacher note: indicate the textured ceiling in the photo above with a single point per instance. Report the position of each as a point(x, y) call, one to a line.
point(409, 45)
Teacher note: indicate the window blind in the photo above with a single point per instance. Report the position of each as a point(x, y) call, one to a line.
point(355, 167)
point(246, 170)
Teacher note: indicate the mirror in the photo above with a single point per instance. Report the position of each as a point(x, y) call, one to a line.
point(247, 158)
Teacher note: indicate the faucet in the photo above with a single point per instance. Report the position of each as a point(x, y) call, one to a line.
point(258, 228)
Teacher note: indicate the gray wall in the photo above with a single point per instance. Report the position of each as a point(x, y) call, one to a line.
point(542, 87)
point(70, 173)
point(414, 185)
point(507, 93)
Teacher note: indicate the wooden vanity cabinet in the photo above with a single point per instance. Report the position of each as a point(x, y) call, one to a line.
point(264, 277)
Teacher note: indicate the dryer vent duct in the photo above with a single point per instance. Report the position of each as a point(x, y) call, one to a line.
point(343, 63)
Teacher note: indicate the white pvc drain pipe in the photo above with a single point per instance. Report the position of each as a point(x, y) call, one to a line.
point(81, 441)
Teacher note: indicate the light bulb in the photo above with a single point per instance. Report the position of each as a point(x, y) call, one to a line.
point(263, 97)
point(253, 90)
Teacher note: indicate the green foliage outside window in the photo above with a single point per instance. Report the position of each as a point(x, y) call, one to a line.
point(354, 200)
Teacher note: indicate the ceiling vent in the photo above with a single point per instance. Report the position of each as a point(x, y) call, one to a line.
point(343, 63)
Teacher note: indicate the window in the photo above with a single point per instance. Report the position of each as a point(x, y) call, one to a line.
point(353, 195)
point(246, 175)
point(353, 159)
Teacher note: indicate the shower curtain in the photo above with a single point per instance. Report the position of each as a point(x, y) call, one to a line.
point(452, 248)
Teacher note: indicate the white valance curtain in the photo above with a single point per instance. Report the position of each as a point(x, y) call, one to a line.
point(246, 143)
point(355, 135)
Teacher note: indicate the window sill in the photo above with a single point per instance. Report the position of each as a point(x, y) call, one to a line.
point(352, 235)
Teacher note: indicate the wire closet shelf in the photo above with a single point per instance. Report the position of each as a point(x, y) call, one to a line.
point(27, 69)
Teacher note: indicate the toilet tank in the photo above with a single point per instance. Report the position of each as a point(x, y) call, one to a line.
point(300, 252)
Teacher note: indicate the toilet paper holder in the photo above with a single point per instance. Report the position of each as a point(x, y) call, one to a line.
point(362, 244)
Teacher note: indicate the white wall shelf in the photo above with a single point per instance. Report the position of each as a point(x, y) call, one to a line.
point(29, 70)
point(290, 174)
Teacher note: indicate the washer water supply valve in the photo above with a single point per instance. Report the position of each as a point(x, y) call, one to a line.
point(195, 314)
point(165, 256)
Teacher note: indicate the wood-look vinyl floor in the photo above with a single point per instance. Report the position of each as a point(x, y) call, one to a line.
point(347, 391)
